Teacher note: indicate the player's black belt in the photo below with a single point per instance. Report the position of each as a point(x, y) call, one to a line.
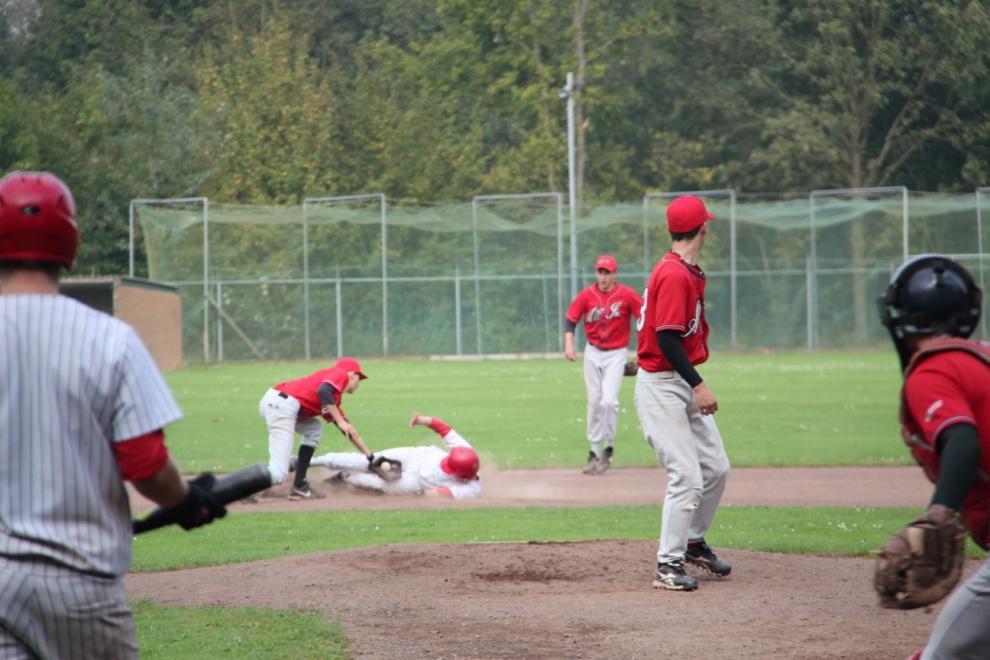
point(283, 395)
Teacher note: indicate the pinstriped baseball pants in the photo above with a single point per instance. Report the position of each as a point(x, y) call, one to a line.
point(51, 611)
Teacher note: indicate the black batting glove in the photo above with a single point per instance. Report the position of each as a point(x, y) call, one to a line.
point(199, 506)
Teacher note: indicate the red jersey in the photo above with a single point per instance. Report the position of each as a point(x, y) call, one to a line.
point(675, 300)
point(304, 389)
point(945, 384)
point(606, 315)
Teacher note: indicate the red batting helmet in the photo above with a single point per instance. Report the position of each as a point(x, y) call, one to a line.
point(37, 219)
point(461, 462)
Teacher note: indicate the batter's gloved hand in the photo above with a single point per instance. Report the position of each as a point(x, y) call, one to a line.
point(199, 507)
point(921, 564)
point(630, 369)
point(388, 469)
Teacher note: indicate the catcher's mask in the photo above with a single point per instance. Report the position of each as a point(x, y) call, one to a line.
point(37, 219)
point(461, 462)
point(929, 295)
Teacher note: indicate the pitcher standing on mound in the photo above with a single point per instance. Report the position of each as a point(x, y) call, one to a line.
point(674, 404)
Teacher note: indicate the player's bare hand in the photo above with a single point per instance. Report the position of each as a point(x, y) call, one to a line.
point(707, 403)
point(570, 354)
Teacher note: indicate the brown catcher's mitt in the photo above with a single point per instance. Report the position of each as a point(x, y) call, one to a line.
point(921, 564)
point(387, 468)
point(630, 369)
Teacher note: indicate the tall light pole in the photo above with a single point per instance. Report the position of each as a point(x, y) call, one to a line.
point(568, 93)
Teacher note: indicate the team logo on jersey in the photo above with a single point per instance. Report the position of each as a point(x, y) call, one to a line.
point(695, 323)
point(598, 313)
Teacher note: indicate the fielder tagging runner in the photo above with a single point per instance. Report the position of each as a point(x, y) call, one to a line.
point(293, 407)
point(606, 307)
point(426, 470)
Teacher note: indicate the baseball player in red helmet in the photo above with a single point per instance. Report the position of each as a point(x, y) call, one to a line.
point(82, 408)
point(606, 307)
point(675, 406)
point(930, 309)
point(426, 470)
point(294, 406)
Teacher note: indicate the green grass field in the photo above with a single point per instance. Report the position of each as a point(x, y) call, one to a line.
point(827, 408)
point(776, 409)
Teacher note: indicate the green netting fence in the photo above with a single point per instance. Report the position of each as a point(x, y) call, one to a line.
point(369, 276)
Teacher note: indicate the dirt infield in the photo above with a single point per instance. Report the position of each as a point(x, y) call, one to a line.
point(582, 600)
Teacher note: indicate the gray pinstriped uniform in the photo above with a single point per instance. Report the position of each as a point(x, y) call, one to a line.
point(73, 380)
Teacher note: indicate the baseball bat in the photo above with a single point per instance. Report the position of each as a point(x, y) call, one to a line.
point(228, 488)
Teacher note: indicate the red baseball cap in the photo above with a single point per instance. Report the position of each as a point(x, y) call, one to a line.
point(349, 364)
point(687, 213)
point(607, 262)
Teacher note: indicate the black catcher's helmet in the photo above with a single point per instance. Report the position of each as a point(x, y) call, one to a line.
point(929, 295)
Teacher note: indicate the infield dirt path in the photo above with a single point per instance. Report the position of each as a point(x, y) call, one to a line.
point(580, 600)
point(829, 486)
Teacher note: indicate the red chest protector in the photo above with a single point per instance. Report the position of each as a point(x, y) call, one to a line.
point(976, 505)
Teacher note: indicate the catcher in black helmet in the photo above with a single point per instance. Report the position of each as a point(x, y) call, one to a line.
point(931, 308)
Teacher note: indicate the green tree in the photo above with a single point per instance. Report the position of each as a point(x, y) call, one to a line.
point(270, 117)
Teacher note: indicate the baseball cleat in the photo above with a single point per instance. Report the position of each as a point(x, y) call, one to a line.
point(605, 461)
point(671, 576)
point(700, 554)
point(304, 492)
point(336, 479)
point(592, 466)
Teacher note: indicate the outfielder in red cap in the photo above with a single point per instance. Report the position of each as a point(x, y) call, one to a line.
point(607, 307)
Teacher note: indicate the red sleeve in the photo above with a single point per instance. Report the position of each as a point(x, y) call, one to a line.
point(671, 302)
point(576, 309)
point(338, 380)
point(141, 457)
point(936, 401)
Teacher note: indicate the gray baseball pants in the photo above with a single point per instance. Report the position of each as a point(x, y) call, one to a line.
point(689, 447)
point(281, 414)
point(602, 380)
point(962, 630)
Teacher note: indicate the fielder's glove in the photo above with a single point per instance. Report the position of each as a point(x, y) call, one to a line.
point(388, 469)
point(921, 564)
point(199, 507)
point(630, 369)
